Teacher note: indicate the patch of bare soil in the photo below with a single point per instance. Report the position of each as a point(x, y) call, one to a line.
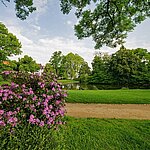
point(125, 111)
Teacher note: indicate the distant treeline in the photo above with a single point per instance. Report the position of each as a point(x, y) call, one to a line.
point(125, 67)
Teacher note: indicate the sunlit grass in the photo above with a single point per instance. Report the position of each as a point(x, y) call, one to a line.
point(109, 96)
point(82, 134)
point(67, 81)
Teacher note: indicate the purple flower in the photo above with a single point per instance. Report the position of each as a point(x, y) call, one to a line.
point(45, 103)
point(38, 103)
point(57, 102)
point(5, 94)
point(23, 85)
point(10, 113)
point(44, 95)
point(32, 120)
point(1, 112)
point(24, 99)
point(6, 72)
point(10, 120)
point(41, 124)
point(10, 97)
point(2, 123)
point(49, 96)
point(53, 89)
point(34, 98)
point(65, 95)
point(50, 106)
point(4, 98)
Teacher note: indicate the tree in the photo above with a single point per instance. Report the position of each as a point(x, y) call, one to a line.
point(142, 75)
point(23, 7)
point(55, 61)
point(73, 63)
point(100, 72)
point(108, 22)
point(124, 64)
point(48, 68)
point(9, 44)
point(26, 64)
point(84, 72)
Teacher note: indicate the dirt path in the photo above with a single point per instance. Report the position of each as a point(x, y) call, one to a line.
point(126, 111)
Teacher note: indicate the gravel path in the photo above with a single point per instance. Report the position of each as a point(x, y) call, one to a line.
point(126, 111)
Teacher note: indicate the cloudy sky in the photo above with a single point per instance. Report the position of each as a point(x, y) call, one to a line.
point(47, 30)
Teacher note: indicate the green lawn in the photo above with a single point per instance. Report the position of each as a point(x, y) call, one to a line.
point(109, 96)
point(83, 134)
point(67, 81)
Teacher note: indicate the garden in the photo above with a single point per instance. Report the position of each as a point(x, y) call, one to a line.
point(65, 103)
point(33, 116)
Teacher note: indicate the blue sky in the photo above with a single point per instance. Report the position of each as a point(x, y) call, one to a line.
point(47, 30)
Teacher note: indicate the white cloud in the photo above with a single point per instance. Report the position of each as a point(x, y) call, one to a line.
point(16, 30)
point(41, 5)
point(69, 22)
point(41, 8)
point(36, 27)
point(42, 49)
point(67, 46)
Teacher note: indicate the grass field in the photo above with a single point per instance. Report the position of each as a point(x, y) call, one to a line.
point(83, 134)
point(67, 81)
point(109, 96)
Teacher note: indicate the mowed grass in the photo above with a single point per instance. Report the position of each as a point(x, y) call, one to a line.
point(67, 81)
point(109, 96)
point(83, 134)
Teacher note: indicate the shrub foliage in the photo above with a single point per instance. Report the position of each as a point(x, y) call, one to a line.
point(31, 98)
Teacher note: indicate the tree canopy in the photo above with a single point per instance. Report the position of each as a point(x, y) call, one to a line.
point(106, 21)
point(9, 44)
point(23, 7)
point(126, 67)
point(27, 64)
point(70, 66)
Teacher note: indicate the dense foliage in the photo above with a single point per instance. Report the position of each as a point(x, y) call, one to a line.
point(106, 21)
point(31, 98)
point(9, 46)
point(25, 64)
point(70, 66)
point(125, 67)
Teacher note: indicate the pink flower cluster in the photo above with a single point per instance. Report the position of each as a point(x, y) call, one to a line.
point(40, 103)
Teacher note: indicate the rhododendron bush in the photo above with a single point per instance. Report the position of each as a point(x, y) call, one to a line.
point(31, 98)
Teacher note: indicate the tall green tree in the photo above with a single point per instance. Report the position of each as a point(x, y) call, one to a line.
point(9, 44)
point(124, 64)
point(107, 22)
point(84, 72)
point(72, 65)
point(55, 62)
point(100, 69)
point(142, 75)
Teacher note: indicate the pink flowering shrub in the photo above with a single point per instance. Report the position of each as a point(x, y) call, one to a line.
point(31, 98)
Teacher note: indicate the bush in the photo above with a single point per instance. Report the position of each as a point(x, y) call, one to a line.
point(31, 98)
